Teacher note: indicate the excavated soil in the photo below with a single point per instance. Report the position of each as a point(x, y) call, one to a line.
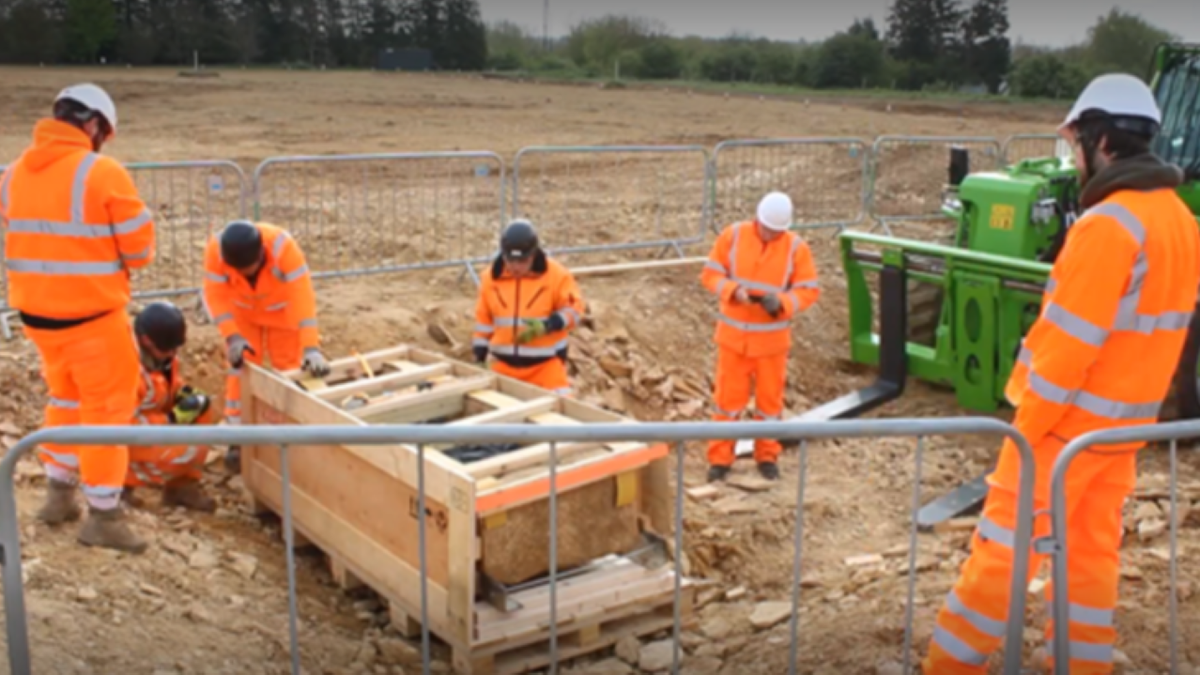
point(210, 595)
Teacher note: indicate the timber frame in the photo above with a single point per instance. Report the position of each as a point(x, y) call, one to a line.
point(487, 524)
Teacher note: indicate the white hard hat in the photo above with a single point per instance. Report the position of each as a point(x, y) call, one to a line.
point(775, 211)
point(93, 98)
point(1119, 95)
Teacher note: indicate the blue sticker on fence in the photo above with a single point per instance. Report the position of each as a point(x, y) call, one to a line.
point(482, 171)
point(215, 184)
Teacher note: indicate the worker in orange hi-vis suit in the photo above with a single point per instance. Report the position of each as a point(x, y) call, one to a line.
point(258, 290)
point(764, 275)
point(527, 303)
point(74, 228)
point(1102, 355)
point(164, 398)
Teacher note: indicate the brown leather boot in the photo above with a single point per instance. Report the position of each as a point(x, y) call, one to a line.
point(60, 506)
point(109, 528)
point(189, 495)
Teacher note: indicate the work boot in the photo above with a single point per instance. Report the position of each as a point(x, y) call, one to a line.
point(233, 460)
point(768, 470)
point(717, 472)
point(108, 528)
point(189, 495)
point(60, 506)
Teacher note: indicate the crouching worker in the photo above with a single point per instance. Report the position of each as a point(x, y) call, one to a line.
point(164, 398)
point(527, 304)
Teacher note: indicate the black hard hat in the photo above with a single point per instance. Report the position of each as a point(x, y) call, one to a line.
point(163, 323)
point(519, 240)
point(241, 244)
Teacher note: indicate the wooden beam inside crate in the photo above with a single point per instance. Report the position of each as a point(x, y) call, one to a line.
point(349, 366)
point(380, 383)
point(443, 399)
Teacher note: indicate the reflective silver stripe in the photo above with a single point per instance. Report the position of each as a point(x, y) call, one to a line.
point(308, 323)
point(791, 262)
point(993, 532)
point(64, 268)
point(1051, 285)
point(511, 350)
point(955, 647)
point(148, 399)
point(233, 419)
point(805, 284)
point(140, 255)
point(239, 303)
point(1078, 328)
point(60, 229)
point(509, 322)
point(1087, 651)
point(79, 186)
point(233, 404)
point(295, 274)
point(188, 456)
point(984, 624)
point(1123, 216)
point(133, 224)
point(96, 491)
point(1086, 616)
point(66, 460)
point(716, 267)
point(63, 403)
point(136, 468)
point(277, 306)
point(5, 179)
point(756, 327)
point(480, 342)
point(793, 301)
point(484, 328)
point(1148, 323)
point(756, 285)
point(726, 413)
point(218, 278)
point(1097, 405)
point(280, 241)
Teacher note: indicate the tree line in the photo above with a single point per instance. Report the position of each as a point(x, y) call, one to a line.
point(296, 33)
point(925, 45)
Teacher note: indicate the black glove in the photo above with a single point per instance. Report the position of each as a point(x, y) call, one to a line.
point(481, 353)
point(190, 404)
point(770, 302)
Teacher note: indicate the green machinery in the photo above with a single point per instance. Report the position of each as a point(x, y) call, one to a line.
point(954, 315)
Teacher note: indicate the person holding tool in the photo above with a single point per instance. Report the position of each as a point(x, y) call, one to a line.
point(763, 275)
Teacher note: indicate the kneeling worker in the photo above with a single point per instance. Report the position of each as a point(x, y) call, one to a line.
point(258, 291)
point(764, 275)
point(527, 304)
point(164, 398)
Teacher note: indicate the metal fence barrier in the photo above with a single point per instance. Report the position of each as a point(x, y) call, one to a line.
point(1057, 544)
point(909, 174)
point(16, 621)
point(1029, 146)
point(374, 213)
point(822, 176)
point(592, 199)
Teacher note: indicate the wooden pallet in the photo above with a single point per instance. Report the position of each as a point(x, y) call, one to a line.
point(487, 520)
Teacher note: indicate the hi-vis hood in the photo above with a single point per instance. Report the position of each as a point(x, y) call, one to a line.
point(52, 141)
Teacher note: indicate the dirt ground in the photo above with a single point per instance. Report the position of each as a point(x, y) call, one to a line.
point(210, 595)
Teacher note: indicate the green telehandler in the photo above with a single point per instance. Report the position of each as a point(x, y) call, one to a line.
point(985, 289)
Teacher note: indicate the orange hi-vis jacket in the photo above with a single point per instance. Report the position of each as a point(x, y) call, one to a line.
point(74, 227)
point(157, 391)
point(281, 296)
point(783, 267)
point(505, 302)
point(1107, 343)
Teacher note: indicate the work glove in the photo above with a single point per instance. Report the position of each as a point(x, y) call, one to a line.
point(190, 404)
point(770, 302)
point(315, 363)
point(481, 354)
point(741, 296)
point(534, 329)
point(237, 346)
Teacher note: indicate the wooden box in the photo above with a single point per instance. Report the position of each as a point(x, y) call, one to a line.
point(487, 520)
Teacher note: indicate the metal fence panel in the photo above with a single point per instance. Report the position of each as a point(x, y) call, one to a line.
point(1056, 545)
point(827, 179)
point(1030, 146)
point(613, 198)
point(418, 436)
point(365, 214)
point(910, 173)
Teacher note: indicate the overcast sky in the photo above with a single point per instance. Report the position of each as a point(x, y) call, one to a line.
point(1045, 22)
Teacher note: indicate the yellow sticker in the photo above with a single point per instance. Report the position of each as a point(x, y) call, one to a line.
point(1002, 217)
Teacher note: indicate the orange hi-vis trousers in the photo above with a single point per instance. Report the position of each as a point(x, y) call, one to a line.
point(92, 371)
point(162, 464)
point(550, 374)
point(970, 626)
point(735, 374)
point(280, 347)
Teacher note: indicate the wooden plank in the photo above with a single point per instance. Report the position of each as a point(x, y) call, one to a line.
point(518, 412)
point(383, 382)
point(397, 407)
point(350, 365)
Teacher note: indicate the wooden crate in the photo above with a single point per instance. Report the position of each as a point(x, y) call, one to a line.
point(487, 521)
